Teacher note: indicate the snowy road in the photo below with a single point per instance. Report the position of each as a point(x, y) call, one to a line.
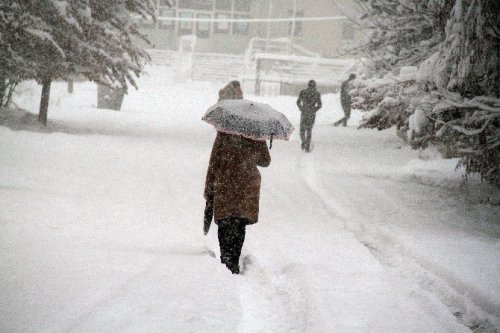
point(100, 228)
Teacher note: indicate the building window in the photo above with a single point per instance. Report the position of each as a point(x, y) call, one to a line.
point(242, 5)
point(298, 24)
point(186, 27)
point(240, 28)
point(223, 4)
point(197, 4)
point(347, 31)
point(165, 12)
point(222, 27)
point(203, 28)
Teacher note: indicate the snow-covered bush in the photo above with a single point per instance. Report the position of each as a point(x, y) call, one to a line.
point(386, 100)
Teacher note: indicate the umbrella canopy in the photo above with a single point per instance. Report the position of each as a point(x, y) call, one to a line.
point(249, 119)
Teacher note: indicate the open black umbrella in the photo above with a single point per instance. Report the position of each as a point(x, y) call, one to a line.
point(249, 119)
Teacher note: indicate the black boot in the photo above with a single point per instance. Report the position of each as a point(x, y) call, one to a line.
point(231, 237)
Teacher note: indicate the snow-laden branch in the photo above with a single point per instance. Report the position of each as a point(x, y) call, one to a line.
point(46, 36)
point(474, 104)
point(464, 130)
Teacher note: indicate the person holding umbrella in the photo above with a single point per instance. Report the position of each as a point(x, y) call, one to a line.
point(232, 185)
point(309, 102)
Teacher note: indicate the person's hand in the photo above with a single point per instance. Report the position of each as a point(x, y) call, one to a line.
point(209, 194)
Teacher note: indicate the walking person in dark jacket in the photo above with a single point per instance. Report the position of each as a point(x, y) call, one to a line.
point(345, 101)
point(232, 187)
point(309, 102)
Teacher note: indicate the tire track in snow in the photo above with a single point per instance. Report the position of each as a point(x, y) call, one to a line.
point(392, 254)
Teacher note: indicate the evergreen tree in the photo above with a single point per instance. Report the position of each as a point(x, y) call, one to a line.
point(467, 78)
point(19, 32)
point(469, 56)
point(454, 98)
point(67, 38)
point(402, 33)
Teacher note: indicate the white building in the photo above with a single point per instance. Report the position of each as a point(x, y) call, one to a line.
point(273, 47)
point(227, 26)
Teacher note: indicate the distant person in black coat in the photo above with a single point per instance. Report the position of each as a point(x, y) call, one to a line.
point(309, 102)
point(345, 101)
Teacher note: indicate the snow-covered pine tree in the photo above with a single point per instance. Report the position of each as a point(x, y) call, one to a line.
point(454, 100)
point(402, 32)
point(466, 73)
point(19, 32)
point(468, 60)
point(82, 37)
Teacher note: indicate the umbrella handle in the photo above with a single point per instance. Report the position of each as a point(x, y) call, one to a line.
point(271, 142)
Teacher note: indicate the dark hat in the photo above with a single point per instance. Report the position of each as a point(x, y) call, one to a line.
point(311, 83)
point(231, 91)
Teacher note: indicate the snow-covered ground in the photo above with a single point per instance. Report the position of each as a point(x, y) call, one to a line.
point(101, 225)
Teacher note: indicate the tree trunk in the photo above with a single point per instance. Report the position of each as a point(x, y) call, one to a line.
point(8, 93)
point(44, 102)
point(70, 86)
point(3, 90)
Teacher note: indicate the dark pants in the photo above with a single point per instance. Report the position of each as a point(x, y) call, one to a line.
point(306, 125)
point(347, 115)
point(231, 237)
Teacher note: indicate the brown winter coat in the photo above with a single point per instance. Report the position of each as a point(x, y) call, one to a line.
point(233, 180)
